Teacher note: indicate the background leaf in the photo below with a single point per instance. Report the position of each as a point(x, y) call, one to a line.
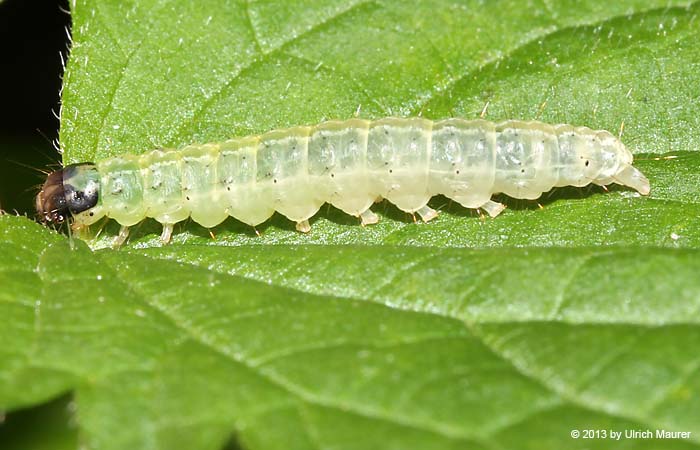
point(462, 333)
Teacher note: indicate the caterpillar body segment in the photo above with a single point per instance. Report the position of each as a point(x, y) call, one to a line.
point(349, 164)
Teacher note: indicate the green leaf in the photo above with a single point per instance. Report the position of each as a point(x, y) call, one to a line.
point(467, 332)
point(58, 432)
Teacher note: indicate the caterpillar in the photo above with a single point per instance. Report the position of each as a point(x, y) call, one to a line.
point(349, 164)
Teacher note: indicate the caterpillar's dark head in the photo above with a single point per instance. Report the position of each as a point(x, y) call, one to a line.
point(68, 192)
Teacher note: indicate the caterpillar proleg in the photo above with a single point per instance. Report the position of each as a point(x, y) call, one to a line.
point(348, 164)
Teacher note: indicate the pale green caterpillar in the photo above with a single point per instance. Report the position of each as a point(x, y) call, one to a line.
point(349, 164)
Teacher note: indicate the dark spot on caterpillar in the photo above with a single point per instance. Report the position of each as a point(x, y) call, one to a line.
point(386, 163)
point(274, 180)
point(228, 188)
point(92, 213)
point(522, 170)
point(391, 171)
point(457, 172)
point(587, 163)
point(243, 158)
point(187, 197)
point(332, 175)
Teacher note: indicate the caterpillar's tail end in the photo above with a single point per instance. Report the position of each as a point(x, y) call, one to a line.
point(632, 177)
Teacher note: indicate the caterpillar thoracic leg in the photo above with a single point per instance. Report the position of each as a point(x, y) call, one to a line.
point(121, 237)
point(167, 232)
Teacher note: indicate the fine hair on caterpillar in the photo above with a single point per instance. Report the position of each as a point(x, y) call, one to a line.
point(348, 164)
